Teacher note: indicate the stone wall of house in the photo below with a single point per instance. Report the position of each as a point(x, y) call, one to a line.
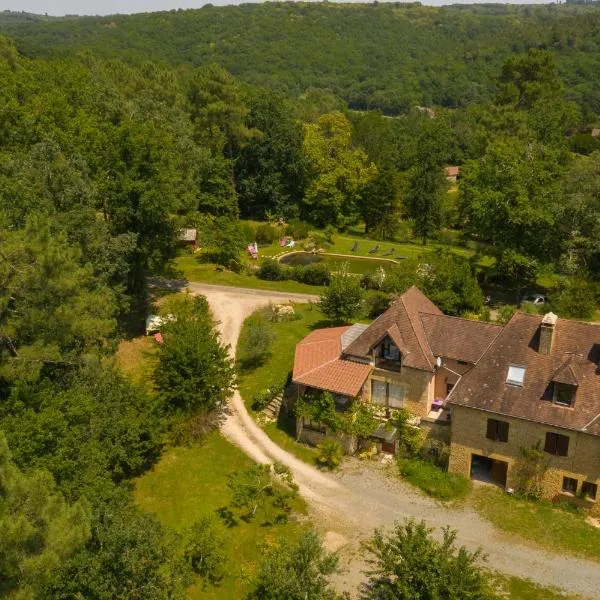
point(469, 427)
point(308, 435)
point(418, 388)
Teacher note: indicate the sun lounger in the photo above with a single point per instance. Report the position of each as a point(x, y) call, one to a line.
point(374, 249)
point(355, 247)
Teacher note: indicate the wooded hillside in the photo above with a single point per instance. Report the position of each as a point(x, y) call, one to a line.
point(387, 56)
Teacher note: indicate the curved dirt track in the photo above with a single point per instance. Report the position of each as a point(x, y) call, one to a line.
point(348, 506)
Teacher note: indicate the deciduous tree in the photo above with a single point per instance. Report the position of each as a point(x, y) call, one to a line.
point(195, 372)
point(409, 563)
point(342, 301)
point(296, 571)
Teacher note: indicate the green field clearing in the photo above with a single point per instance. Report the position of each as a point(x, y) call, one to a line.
point(193, 270)
point(191, 482)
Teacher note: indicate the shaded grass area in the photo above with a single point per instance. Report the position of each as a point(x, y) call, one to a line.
point(432, 480)
point(275, 369)
point(540, 522)
point(191, 482)
point(137, 359)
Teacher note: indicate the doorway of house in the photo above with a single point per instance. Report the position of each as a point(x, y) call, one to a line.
point(488, 470)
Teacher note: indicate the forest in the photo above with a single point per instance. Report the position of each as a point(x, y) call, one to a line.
point(389, 56)
point(117, 132)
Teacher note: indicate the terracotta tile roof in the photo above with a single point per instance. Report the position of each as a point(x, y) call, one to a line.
point(452, 171)
point(317, 363)
point(575, 354)
point(341, 376)
point(460, 339)
point(404, 315)
point(317, 348)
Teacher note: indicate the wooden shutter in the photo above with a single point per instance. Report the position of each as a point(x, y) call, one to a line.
point(562, 445)
point(502, 431)
point(492, 429)
point(550, 446)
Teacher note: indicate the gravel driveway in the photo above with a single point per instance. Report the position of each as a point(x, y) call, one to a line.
point(347, 506)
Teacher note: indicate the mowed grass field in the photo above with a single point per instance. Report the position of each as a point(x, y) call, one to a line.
point(191, 482)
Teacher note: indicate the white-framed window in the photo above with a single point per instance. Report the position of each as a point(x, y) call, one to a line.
point(515, 375)
point(387, 394)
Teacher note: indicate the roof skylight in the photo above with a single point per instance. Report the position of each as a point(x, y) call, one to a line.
point(515, 375)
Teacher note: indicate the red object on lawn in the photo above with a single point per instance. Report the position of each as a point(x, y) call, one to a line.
point(159, 338)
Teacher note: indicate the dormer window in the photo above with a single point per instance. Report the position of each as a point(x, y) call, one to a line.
point(389, 350)
point(564, 394)
point(515, 375)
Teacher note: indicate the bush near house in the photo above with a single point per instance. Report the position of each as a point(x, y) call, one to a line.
point(424, 464)
point(330, 454)
point(432, 480)
point(255, 342)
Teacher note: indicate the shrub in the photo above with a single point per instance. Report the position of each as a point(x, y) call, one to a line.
point(432, 480)
point(342, 300)
point(204, 550)
point(505, 313)
point(436, 452)
point(192, 430)
point(374, 280)
point(271, 270)
point(297, 229)
point(248, 232)
point(315, 274)
point(330, 454)
point(409, 437)
point(266, 233)
point(329, 232)
point(530, 471)
point(377, 304)
point(255, 342)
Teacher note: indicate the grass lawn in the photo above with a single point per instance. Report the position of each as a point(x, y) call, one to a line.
point(194, 270)
point(137, 358)
point(432, 480)
point(190, 482)
point(516, 588)
point(275, 369)
point(540, 522)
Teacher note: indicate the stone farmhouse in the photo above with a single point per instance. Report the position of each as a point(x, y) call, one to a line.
point(488, 390)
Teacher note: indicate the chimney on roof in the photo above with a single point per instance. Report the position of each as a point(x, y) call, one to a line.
point(547, 333)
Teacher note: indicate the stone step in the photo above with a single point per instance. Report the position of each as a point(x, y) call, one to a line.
point(272, 409)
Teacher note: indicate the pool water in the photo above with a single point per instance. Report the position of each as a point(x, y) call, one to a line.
point(355, 263)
